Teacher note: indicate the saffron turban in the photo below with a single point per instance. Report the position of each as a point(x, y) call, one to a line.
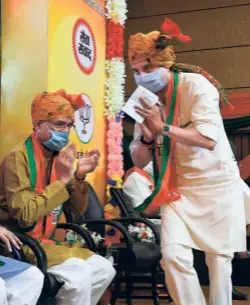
point(48, 106)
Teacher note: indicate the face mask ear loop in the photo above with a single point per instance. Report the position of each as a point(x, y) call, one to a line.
point(47, 128)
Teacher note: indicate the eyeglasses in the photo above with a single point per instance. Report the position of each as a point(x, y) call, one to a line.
point(61, 126)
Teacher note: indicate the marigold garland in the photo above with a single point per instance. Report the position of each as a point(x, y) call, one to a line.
point(114, 98)
point(115, 42)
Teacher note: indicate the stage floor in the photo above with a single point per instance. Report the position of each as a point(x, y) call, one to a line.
point(206, 292)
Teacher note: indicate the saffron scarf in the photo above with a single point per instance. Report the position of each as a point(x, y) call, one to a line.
point(165, 176)
point(44, 228)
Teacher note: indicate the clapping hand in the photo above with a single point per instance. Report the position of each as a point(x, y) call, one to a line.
point(65, 164)
point(87, 164)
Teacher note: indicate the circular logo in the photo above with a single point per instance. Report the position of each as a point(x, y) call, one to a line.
point(84, 46)
point(84, 120)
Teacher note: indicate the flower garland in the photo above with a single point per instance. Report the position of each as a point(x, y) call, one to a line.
point(114, 98)
point(117, 11)
point(73, 238)
point(114, 93)
point(141, 233)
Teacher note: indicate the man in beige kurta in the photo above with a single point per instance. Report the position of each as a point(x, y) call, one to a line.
point(85, 275)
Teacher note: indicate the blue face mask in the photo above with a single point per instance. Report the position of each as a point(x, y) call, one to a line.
point(151, 81)
point(57, 141)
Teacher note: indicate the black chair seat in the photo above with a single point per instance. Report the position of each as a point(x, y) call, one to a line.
point(144, 255)
point(51, 286)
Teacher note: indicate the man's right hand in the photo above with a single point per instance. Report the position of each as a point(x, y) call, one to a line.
point(147, 134)
point(8, 238)
point(65, 164)
point(142, 155)
point(87, 164)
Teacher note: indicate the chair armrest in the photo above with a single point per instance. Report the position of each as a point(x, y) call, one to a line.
point(16, 253)
point(37, 249)
point(81, 231)
point(147, 222)
point(127, 238)
point(152, 217)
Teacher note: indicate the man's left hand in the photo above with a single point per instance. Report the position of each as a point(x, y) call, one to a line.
point(8, 238)
point(87, 164)
point(152, 116)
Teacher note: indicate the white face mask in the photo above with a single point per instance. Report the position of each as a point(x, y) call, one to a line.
point(57, 141)
point(154, 81)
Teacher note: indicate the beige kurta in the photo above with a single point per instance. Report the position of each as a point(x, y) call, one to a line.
point(210, 213)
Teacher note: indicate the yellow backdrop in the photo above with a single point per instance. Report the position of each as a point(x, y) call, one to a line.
point(38, 55)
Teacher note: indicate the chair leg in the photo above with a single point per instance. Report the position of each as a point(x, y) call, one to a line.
point(129, 290)
point(116, 292)
point(155, 295)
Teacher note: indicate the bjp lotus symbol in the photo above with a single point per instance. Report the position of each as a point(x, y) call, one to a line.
point(84, 115)
point(84, 120)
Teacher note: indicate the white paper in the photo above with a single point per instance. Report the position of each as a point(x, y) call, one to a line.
point(12, 267)
point(134, 100)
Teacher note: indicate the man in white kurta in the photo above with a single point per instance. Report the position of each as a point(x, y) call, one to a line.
point(209, 215)
point(138, 186)
point(20, 283)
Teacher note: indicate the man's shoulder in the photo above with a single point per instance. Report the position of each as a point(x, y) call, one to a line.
point(17, 153)
point(194, 78)
point(198, 83)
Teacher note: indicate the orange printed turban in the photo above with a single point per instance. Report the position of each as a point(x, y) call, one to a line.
point(47, 106)
point(157, 46)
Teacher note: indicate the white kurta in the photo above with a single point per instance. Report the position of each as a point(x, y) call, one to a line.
point(22, 288)
point(210, 214)
point(85, 281)
point(137, 188)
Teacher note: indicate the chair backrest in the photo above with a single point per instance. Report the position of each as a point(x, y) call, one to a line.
point(124, 203)
point(94, 211)
point(245, 167)
point(244, 164)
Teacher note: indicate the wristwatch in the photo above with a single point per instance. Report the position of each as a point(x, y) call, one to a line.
point(165, 130)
